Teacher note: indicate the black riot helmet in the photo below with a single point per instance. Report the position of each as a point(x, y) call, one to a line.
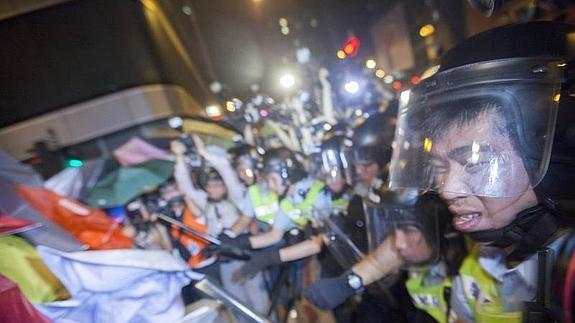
point(284, 162)
point(422, 221)
point(520, 77)
point(247, 160)
point(372, 139)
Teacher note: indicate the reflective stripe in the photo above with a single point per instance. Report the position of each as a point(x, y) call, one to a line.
point(428, 298)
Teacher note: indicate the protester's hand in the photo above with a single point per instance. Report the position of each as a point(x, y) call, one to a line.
point(177, 147)
point(258, 261)
point(327, 293)
point(200, 146)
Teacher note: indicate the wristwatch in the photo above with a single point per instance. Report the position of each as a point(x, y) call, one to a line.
point(355, 282)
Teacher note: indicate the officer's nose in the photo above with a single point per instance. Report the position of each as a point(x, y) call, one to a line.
point(399, 239)
point(453, 183)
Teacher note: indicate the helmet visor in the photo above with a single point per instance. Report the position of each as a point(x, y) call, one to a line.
point(483, 129)
point(335, 165)
point(409, 224)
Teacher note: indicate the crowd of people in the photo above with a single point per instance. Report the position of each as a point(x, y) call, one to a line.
point(438, 211)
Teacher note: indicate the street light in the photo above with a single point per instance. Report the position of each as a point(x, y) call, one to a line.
point(426, 30)
point(351, 87)
point(214, 112)
point(370, 63)
point(287, 80)
point(230, 106)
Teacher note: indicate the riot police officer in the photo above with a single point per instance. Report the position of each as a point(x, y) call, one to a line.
point(371, 151)
point(492, 132)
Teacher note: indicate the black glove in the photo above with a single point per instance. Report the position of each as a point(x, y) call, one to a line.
point(242, 241)
point(258, 261)
point(328, 293)
point(230, 248)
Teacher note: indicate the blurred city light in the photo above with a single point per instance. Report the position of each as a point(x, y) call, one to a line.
point(215, 87)
point(175, 122)
point(283, 22)
point(230, 106)
point(426, 30)
point(415, 79)
point(214, 112)
point(397, 85)
point(557, 97)
point(341, 54)
point(380, 73)
point(187, 10)
point(388, 79)
point(264, 113)
point(313, 22)
point(285, 30)
point(287, 80)
point(429, 72)
point(351, 46)
point(74, 162)
point(370, 63)
point(351, 87)
point(303, 55)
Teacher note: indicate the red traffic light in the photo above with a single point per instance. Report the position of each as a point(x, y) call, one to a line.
point(351, 46)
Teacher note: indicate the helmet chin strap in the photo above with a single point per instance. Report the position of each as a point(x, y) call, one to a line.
point(530, 230)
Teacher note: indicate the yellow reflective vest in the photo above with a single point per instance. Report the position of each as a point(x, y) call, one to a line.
point(265, 205)
point(300, 214)
point(482, 291)
point(430, 299)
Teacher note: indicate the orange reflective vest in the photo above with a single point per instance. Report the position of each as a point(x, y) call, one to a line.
point(194, 244)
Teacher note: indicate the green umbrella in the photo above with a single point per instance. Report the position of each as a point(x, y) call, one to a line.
point(127, 182)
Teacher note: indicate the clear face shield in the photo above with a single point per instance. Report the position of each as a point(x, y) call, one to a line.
point(336, 169)
point(338, 242)
point(483, 129)
point(410, 225)
point(246, 168)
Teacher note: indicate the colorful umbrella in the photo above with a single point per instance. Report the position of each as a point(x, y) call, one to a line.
point(136, 151)
point(10, 225)
point(125, 183)
point(91, 226)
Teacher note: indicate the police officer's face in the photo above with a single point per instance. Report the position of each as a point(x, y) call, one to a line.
point(335, 183)
point(246, 174)
point(275, 183)
point(366, 171)
point(473, 160)
point(411, 245)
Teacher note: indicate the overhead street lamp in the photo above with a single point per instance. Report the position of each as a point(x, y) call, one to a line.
point(351, 87)
point(287, 80)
